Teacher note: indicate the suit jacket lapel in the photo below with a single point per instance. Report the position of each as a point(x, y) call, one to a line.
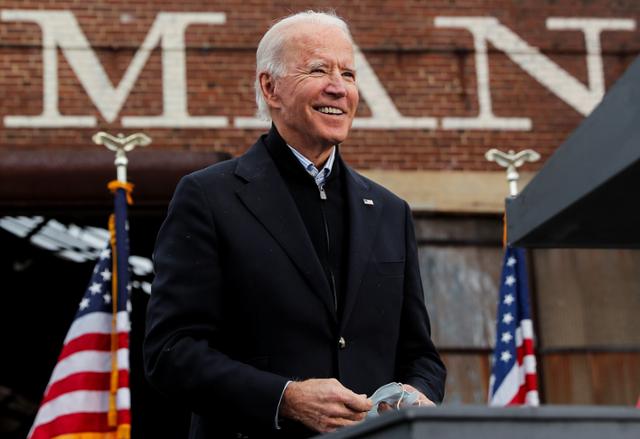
point(266, 195)
point(364, 218)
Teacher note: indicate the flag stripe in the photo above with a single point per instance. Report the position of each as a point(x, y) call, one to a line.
point(76, 424)
point(88, 361)
point(86, 381)
point(89, 401)
point(93, 341)
point(508, 390)
point(527, 345)
point(90, 435)
point(98, 323)
point(531, 381)
point(529, 364)
point(525, 397)
point(532, 398)
point(526, 325)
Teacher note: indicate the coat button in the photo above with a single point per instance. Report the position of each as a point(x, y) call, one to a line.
point(342, 343)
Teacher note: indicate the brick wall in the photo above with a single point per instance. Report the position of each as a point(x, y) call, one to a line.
point(427, 70)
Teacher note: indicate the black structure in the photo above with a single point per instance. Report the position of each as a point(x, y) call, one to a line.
point(481, 422)
point(584, 194)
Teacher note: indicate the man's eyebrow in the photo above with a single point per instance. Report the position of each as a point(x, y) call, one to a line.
point(316, 64)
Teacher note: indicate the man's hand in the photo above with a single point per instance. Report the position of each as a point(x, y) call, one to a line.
point(422, 401)
point(323, 404)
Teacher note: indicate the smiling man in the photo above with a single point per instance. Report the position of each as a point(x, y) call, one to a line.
point(287, 286)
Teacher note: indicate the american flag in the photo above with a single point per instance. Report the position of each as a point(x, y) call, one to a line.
point(513, 375)
point(88, 392)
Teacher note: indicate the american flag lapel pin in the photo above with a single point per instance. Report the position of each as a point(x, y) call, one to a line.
point(367, 201)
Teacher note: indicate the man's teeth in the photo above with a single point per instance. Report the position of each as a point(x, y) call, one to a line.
point(330, 110)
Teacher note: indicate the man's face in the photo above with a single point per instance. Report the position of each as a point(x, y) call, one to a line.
point(314, 103)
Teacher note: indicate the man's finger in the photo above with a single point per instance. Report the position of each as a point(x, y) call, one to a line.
point(422, 399)
point(357, 403)
point(339, 410)
point(425, 402)
point(355, 416)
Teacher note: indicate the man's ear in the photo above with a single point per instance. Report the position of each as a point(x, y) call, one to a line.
point(268, 87)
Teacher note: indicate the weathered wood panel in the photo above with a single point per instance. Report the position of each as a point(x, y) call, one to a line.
point(467, 377)
point(588, 297)
point(461, 289)
point(611, 378)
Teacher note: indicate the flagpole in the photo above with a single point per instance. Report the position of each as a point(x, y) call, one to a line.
point(119, 404)
point(121, 145)
point(514, 376)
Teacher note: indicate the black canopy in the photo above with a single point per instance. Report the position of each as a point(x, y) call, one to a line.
point(588, 192)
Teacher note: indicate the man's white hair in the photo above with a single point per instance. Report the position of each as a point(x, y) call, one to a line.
point(269, 56)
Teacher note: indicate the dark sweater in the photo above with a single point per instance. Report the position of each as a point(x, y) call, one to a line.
point(326, 220)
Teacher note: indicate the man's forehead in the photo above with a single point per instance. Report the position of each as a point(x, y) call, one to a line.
point(318, 43)
point(317, 36)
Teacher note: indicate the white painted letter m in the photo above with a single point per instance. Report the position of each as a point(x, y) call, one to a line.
point(60, 29)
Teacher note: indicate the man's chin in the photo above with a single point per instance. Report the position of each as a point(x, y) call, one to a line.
point(336, 138)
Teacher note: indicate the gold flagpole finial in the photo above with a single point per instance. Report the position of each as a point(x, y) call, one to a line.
point(121, 144)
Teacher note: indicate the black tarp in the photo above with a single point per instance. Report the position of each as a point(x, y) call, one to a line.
point(586, 193)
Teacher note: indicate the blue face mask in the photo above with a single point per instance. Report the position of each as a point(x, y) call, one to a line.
point(394, 395)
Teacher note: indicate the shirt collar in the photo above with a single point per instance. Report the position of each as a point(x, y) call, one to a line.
point(320, 176)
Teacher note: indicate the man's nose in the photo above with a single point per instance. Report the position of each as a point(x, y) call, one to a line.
point(337, 85)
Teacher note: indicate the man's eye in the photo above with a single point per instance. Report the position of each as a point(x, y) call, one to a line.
point(349, 75)
point(318, 71)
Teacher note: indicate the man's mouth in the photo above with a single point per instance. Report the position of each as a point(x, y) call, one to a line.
point(329, 110)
